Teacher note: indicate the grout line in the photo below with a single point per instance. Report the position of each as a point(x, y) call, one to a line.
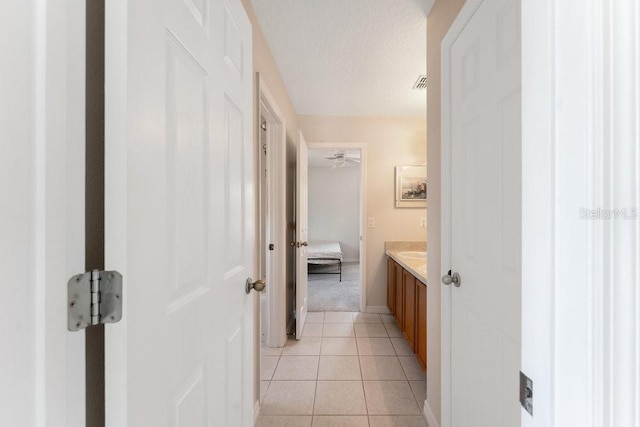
point(366, 405)
point(315, 393)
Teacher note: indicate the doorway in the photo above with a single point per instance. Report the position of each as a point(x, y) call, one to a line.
point(271, 237)
point(336, 256)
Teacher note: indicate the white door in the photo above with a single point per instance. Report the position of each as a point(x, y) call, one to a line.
point(486, 217)
point(179, 212)
point(42, 171)
point(302, 187)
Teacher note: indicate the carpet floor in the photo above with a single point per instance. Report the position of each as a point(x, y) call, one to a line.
point(327, 293)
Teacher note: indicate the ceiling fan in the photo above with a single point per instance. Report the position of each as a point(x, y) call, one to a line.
point(341, 160)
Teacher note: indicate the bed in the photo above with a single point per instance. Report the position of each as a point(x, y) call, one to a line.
point(325, 253)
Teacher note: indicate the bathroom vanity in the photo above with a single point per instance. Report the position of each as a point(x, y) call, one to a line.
point(407, 292)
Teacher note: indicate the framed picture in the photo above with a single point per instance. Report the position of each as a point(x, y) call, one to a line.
point(411, 186)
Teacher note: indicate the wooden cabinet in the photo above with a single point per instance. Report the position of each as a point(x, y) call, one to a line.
point(399, 291)
point(421, 323)
point(409, 307)
point(391, 285)
point(407, 301)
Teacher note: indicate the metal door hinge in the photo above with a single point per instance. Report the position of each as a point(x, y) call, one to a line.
point(526, 393)
point(94, 297)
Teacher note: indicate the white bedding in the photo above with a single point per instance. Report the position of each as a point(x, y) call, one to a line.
point(321, 249)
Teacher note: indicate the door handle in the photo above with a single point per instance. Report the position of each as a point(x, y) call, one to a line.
point(258, 285)
point(304, 244)
point(448, 278)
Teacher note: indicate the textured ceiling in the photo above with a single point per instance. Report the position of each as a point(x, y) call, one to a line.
point(349, 57)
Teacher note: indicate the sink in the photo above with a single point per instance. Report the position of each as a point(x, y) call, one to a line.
point(413, 254)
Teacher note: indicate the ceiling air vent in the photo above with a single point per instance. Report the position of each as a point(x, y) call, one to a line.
point(421, 83)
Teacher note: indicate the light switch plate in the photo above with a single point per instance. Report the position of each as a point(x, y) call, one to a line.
point(372, 222)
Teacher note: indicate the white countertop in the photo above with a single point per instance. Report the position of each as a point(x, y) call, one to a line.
point(416, 266)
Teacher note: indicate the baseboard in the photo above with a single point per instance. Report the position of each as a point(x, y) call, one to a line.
point(428, 415)
point(256, 410)
point(379, 309)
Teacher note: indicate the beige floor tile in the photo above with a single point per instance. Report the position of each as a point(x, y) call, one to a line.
point(289, 398)
point(340, 398)
point(264, 386)
point(268, 366)
point(338, 330)
point(393, 330)
point(283, 421)
point(401, 346)
point(366, 318)
point(372, 330)
point(397, 421)
point(336, 346)
point(338, 317)
point(315, 317)
point(381, 368)
point(297, 368)
point(388, 318)
point(340, 421)
point(302, 347)
point(270, 351)
point(389, 398)
point(419, 389)
point(339, 368)
point(312, 330)
point(375, 347)
point(412, 368)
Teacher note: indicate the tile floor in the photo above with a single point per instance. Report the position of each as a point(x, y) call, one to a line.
point(348, 369)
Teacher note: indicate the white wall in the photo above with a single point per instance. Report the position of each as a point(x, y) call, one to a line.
point(334, 208)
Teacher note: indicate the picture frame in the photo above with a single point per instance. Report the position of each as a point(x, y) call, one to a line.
point(411, 187)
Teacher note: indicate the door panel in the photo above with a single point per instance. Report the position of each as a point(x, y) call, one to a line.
point(179, 215)
point(409, 308)
point(399, 295)
point(486, 217)
point(302, 201)
point(391, 285)
point(421, 324)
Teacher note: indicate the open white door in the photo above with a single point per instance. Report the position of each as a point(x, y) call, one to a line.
point(302, 187)
point(179, 212)
point(273, 222)
point(42, 366)
point(482, 178)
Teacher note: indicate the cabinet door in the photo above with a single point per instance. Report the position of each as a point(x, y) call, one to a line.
point(421, 324)
point(391, 285)
point(399, 294)
point(409, 315)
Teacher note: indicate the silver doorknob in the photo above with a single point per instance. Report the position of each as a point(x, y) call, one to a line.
point(448, 278)
point(258, 285)
point(304, 244)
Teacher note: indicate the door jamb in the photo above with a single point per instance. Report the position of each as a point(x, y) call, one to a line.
point(363, 206)
point(276, 335)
